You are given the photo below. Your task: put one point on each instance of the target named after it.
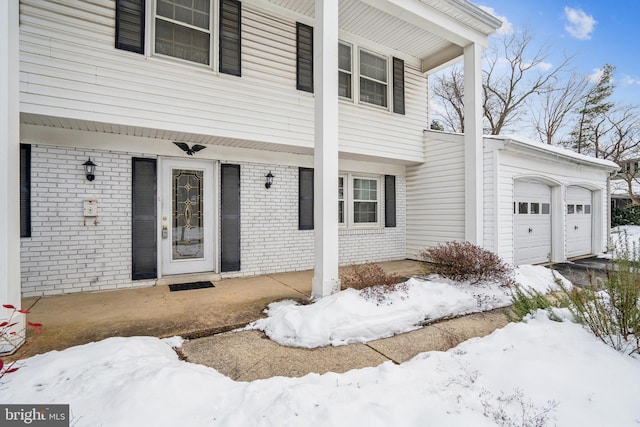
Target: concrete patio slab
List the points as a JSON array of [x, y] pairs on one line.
[[81, 318]]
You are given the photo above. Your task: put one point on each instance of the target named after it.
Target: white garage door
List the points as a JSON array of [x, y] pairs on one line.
[[579, 229], [532, 222]]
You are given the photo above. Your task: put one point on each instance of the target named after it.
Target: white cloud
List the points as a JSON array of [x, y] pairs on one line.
[[506, 28], [595, 76], [544, 66], [628, 80], [579, 25]]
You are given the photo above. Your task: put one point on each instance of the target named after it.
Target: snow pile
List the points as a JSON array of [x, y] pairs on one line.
[[348, 317], [556, 370]]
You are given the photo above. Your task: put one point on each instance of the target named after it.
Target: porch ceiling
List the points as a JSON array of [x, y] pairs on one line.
[[418, 28]]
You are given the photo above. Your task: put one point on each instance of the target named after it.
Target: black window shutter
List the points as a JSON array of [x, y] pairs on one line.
[[398, 86], [230, 235], [230, 37], [304, 57], [389, 201], [130, 25], [25, 190], [305, 199], [143, 219]]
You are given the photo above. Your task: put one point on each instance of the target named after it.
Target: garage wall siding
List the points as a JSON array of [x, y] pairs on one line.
[[435, 194], [513, 165]]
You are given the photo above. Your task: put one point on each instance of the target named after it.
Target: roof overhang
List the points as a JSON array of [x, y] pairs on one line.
[[545, 151]]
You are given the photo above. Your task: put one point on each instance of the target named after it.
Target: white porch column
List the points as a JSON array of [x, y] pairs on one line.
[[9, 159], [473, 144], [325, 69]]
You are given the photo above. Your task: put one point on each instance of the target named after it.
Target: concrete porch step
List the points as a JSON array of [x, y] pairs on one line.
[[187, 278]]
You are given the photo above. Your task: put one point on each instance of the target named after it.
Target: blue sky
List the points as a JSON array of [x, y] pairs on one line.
[[597, 31]]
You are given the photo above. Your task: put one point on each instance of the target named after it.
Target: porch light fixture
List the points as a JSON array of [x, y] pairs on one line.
[[90, 169], [269, 177]]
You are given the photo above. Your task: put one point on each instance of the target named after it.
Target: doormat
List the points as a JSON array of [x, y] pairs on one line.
[[189, 286]]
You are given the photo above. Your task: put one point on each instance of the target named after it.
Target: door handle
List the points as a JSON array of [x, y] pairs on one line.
[[575, 227], [530, 230], [165, 232]]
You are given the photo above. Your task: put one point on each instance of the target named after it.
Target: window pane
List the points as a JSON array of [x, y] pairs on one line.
[[570, 209], [578, 209], [365, 189], [344, 57], [373, 92], [365, 212], [192, 12], [545, 208], [535, 208], [341, 212], [523, 208], [344, 84], [373, 66], [587, 209], [181, 42]]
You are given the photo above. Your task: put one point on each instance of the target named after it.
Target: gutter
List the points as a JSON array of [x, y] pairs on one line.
[[543, 151], [477, 13]]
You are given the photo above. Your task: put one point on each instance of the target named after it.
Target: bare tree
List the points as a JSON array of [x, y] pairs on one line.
[[554, 108], [448, 89], [512, 75], [616, 137], [513, 72]]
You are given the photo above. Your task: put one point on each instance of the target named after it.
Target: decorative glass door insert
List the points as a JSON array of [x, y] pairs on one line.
[[188, 220], [188, 228]]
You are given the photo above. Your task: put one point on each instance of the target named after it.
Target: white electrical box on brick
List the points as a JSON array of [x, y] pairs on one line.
[[90, 208]]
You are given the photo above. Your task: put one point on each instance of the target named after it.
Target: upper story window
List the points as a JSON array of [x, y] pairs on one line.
[[344, 71], [373, 79], [183, 29]]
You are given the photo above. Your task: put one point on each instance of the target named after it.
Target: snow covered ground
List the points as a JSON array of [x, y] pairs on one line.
[[519, 375]]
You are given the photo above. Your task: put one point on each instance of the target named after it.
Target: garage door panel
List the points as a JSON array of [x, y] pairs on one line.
[[532, 222], [579, 221]]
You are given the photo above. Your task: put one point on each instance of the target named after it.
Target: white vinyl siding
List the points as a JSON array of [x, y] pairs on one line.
[[71, 72], [435, 194]]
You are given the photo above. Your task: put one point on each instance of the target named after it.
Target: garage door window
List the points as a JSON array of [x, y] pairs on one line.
[[579, 209], [523, 208], [533, 208]]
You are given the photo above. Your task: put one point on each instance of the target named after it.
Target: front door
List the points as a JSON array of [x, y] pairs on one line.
[[187, 216]]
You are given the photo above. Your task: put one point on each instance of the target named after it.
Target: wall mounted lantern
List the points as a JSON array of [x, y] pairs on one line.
[[269, 177], [90, 169]]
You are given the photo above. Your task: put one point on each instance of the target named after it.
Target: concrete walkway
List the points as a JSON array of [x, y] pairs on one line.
[[204, 315]]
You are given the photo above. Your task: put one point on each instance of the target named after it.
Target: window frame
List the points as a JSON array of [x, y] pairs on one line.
[[350, 200], [350, 73], [360, 76], [212, 31]]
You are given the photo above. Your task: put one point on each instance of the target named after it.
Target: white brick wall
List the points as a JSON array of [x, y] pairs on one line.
[[271, 241], [64, 255]]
